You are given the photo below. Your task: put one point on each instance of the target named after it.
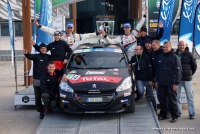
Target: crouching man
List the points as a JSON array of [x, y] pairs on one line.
[[49, 84]]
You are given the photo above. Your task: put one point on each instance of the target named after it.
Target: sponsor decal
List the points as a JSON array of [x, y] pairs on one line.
[[115, 73], [125, 100], [95, 72], [25, 99], [127, 94], [94, 86], [65, 101], [96, 79], [117, 50], [72, 72], [73, 76], [62, 95], [95, 112], [115, 69], [98, 49], [77, 51], [110, 70]]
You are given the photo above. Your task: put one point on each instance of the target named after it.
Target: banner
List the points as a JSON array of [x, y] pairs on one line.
[[153, 14], [187, 22], [10, 22], [166, 16], [45, 20], [197, 30]]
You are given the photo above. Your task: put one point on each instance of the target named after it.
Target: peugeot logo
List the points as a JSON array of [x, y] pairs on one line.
[[94, 86]]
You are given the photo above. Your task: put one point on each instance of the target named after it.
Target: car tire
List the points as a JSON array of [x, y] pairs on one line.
[[131, 107]]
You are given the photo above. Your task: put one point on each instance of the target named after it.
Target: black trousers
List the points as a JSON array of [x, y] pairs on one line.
[[49, 101], [167, 92], [38, 102]]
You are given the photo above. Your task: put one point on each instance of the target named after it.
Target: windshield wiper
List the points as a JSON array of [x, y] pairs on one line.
[[121, 59]]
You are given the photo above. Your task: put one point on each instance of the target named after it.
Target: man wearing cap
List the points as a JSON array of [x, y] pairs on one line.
[[128, 40], [143, 32], [58, 49], [68, 35], [40, 62]]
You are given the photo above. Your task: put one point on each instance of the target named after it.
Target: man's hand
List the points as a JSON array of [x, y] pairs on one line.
[[64, 78], [32, 42], [146, 10], [65, 61], [175, 87], [36, 22], [156, 84], [150, 83], [160, 24], [25, 51]]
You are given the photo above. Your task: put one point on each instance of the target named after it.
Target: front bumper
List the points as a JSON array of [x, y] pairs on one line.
[[115, 102]]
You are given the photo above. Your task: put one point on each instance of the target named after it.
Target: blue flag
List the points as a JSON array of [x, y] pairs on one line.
[[187, 22], [166, 16], [34, 27], [45, 20], [10, 22], [197, 30]]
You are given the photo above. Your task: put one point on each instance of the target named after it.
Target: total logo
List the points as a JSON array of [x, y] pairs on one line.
[[188, 11], [95, 72]]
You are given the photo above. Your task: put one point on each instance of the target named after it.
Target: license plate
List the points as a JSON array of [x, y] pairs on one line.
[[99, 99]]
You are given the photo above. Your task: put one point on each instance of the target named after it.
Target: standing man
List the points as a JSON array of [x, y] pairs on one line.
[[128, 40], [143, 74], [189, 66], [168, 77], [148, 48], [143, 32], [40, 62], [58, 49], [68, 35]]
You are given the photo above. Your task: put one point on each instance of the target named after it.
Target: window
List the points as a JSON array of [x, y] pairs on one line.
[[5, 29]]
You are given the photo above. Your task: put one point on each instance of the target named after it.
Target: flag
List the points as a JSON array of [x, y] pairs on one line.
[[196, 31], [45, 20], [187, 22], [10, 22], [166, 16]]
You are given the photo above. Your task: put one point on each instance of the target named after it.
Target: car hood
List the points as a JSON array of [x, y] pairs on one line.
[[101, 80]]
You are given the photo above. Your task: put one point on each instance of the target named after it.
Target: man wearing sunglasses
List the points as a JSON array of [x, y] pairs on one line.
[[58, 49], [68, 35]]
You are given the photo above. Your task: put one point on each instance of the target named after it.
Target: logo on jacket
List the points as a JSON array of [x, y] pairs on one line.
[[94, 86], [25, 99]]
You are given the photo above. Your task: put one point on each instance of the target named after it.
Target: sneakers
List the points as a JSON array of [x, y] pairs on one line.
[[192, 117], [173, 120], [161, 118], [41, 115]]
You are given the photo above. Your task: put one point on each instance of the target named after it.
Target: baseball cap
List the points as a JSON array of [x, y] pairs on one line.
[[127, 25], [143, 29], [148, 41], [69, 25], [57, 33], [43, 45]]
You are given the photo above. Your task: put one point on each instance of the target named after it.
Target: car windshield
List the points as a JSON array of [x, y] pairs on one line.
[[96, 60]]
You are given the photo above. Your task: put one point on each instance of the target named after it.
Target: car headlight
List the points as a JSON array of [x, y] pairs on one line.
[[65, 87], [126, 84]]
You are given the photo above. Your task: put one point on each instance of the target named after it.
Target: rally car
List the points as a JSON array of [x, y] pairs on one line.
[[99, 81]]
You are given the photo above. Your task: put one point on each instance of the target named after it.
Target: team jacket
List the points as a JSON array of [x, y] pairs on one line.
[[141, 40], [129, 42], [145, 73], [40, 62], [58, 50], [189, 64], [73, 39], [49, 83], [168, 69]]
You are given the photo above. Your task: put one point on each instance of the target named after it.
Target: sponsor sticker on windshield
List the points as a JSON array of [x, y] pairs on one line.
[[77, 51], [117, 50], [95, 72], [72, 72], [73, 76]]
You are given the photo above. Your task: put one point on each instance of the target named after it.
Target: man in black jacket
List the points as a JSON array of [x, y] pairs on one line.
[[58, 49], [148, 47], [168, 76], [143, 74], [40, 62], [143, 32], [49, 85], [189, 67]]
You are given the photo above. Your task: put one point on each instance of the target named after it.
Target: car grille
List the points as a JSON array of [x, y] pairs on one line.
[[109, 95]]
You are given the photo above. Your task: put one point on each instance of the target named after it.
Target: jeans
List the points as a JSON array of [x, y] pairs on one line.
[[167, 92], [149, 89], [49, 102], [187, 85]]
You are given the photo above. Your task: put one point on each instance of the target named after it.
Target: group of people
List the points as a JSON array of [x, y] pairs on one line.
[[152, 65]]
